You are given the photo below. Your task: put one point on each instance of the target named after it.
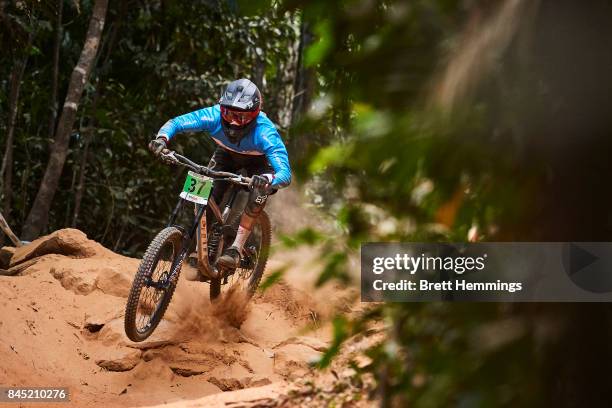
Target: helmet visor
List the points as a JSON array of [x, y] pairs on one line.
[[237, 117]]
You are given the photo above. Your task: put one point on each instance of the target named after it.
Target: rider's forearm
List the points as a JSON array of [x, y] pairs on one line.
[[282, 178], [282, 171], [189, 122], [168, 130], [278, 158]]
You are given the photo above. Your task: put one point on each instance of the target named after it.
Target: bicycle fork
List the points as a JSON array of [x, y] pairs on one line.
[[187, 237]]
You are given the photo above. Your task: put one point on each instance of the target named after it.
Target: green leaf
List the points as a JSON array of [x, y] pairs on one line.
[[306, 236], [334, 269], [273, 278], [341, 333], [328, 156], [35, 50], [319, 50]]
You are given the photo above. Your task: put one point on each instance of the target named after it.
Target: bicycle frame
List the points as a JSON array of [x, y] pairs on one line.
[[174, 158], [202, 238]]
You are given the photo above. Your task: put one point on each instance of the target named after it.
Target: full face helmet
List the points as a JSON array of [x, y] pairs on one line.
[[240, 105]]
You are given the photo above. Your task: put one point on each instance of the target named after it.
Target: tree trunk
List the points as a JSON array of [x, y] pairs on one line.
[[303, 90], [89, 133], [279, 106], [55, 72], [304, 78], [39, 214], [6, 170], [259, 72]]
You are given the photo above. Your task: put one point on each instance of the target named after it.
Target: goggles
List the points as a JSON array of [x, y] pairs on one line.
[[238, 117]]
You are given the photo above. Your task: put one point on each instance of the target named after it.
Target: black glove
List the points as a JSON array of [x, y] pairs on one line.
[[261, 182], [156, 146]]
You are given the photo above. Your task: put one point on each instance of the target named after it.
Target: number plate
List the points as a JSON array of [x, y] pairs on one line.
[[197, 188]]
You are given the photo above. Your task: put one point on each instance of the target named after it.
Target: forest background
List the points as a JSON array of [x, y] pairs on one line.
[[428, 120]]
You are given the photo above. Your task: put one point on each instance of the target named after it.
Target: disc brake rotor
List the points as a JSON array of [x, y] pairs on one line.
[[250, 262]]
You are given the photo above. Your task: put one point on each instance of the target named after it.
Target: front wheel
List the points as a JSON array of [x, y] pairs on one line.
[[253, 263], [151, 291]]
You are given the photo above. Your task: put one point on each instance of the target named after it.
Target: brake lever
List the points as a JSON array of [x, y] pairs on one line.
[[204, 170], [169, 157], [243, 181]]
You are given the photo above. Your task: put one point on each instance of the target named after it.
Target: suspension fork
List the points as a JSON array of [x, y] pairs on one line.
[[202, 237], [186, 244], [229, 204], [177, 208]]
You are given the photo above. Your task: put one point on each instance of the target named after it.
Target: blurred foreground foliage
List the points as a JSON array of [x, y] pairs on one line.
[[454, 121]]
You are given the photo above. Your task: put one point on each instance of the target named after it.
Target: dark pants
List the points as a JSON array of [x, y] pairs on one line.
[[223, 160]]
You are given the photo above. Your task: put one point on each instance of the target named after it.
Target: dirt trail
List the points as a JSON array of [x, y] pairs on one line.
[[61, 324]]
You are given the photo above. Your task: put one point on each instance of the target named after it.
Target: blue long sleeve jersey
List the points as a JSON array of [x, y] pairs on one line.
[[262, 140]]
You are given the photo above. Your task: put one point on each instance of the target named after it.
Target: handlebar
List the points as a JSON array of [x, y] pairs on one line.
[[172, 157]]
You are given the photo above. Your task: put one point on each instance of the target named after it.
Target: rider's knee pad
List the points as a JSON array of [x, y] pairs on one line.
[[256, 204]]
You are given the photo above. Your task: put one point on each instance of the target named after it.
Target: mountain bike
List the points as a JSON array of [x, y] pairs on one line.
[[213, 227]]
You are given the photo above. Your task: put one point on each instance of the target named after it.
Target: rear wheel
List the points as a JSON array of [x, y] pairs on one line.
[[253, 263], [151, 291]]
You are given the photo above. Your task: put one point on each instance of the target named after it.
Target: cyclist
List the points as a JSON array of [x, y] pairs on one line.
[[246, 139]]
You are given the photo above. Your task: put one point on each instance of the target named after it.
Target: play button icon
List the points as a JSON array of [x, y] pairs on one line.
[[579, 258], [589, 265]]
